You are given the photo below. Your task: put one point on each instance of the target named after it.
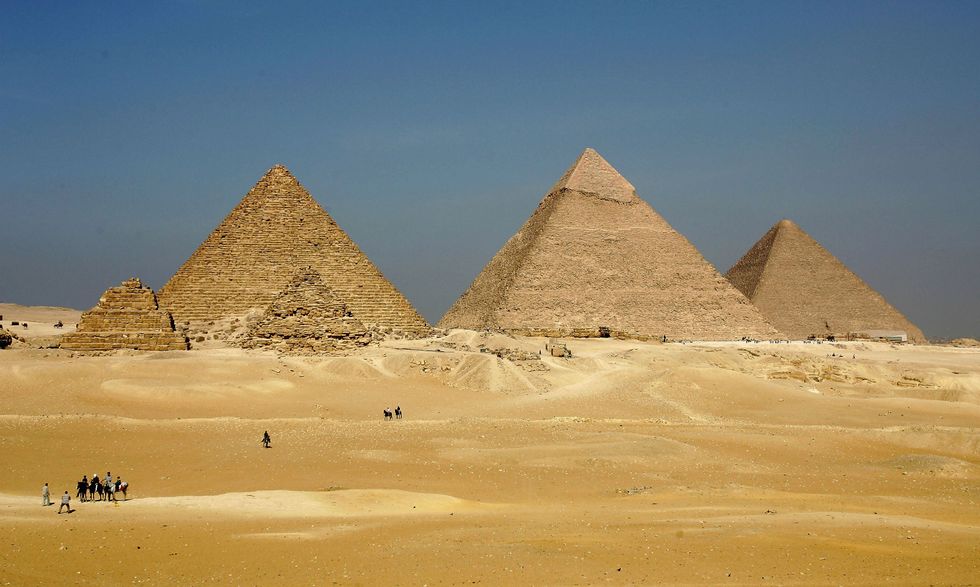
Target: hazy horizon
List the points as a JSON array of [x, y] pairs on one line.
[[430, 133]]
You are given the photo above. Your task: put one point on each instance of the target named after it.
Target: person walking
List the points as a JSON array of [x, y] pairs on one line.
[[65, 502], [266, 439], [45, 495]]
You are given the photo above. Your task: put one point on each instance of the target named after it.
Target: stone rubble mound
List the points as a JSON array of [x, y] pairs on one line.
[[6, 339], [126, 317], [306, 317]]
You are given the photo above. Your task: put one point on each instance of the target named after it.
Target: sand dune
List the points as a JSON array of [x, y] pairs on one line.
[[630, 463]]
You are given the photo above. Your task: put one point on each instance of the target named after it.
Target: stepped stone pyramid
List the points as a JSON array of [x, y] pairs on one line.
[[804, 290], [275, 231], [306, 316], [126, 317], [594, 256]]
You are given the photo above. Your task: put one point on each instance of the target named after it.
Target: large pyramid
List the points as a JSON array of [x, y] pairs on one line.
[[276, 231], [594, 255], [804, 290]]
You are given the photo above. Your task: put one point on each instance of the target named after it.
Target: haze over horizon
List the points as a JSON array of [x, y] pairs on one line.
[[430, 133]]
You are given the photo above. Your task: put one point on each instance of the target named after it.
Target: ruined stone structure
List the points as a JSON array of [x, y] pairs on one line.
[[6, 339], [127, 317], [594, 260], [275, 231], [804, 290], [307, 317]]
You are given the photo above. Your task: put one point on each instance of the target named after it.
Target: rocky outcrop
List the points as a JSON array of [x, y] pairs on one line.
[[306, 317], [127, 317]]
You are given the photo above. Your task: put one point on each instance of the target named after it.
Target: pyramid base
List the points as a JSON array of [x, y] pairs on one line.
[[597, 332]]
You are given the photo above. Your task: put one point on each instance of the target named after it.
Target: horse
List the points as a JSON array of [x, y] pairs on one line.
[[388, 414], [398, 412]]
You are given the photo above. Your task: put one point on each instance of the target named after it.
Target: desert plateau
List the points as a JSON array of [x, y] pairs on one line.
[[713, 463]]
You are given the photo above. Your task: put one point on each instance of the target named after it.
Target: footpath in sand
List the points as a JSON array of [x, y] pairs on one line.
[[638, 463]]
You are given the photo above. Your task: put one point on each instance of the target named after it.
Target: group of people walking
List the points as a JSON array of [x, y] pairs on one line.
[[94, 489]]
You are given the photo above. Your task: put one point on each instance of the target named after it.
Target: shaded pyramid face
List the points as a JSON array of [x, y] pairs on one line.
[[804, 290], [274, 232], [595, 255], [307, 316]]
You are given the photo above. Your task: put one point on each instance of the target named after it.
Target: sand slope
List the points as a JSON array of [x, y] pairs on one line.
[[631, 463], [40, 320]]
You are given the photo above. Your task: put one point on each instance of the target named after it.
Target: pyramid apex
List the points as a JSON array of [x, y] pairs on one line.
[[278, 169], [592, 174], [278, 174], [786, 223]]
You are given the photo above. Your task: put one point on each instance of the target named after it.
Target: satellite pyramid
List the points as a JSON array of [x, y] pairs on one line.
[[804, 290], [127, 317], [594, 256], [306, 316], [276, 231]]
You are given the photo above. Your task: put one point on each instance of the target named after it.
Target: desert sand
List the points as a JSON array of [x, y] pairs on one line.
[[628, 463]]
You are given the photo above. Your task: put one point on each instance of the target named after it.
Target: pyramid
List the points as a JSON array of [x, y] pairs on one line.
[[595, 258], [126, 317], [306, 316], [804, 290], [274, 232]]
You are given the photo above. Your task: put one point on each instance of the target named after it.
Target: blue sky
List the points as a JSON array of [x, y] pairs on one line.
[[431, 131]]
